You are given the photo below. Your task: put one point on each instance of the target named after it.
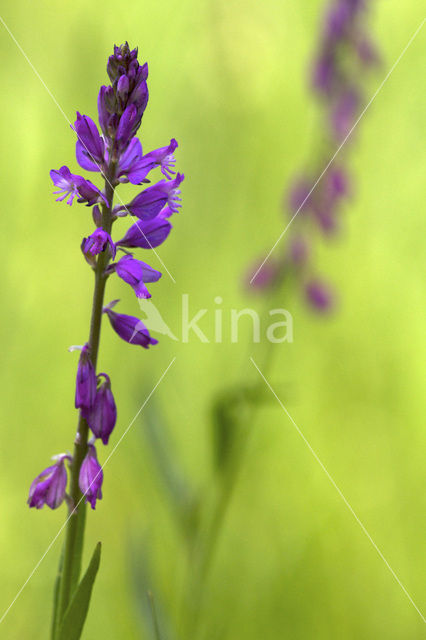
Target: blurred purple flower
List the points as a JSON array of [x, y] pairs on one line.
[[319, 295], [314, 199]]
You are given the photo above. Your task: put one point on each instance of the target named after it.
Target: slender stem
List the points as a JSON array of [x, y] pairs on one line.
[[75, 524], [208, 545]]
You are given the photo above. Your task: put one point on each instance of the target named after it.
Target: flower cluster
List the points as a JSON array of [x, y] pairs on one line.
[[117, 154], [314, 203]]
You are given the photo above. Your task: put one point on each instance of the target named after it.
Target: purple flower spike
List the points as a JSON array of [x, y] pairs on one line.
[[149, 203], [50, 485], [129, 328], [319, 295], [103, 415], [136, 273], [89, 146], [91, 477], [86, 383], [97, 242], [75, 187], [148, 234]]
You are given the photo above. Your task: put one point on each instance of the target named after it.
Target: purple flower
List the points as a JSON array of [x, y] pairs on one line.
[[148, 203], [75, 186], [136, 273], [123, 86], [337, 20], [129, 328], [89, 146], [136, 166], [319, 295], [50, 485], [91, 477], [300, 195], [324, 73], [344, 113], [108, 119], [86, 383], [162, 157], [148, 234], [97, 242], [127, 126], [299, 250], [266, 277], [367, 52], [337, 182], [128, 158], [325, 214], [102, 417]]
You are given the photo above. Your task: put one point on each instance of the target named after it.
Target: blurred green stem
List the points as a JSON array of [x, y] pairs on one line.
[[74, 536], [204, 556]]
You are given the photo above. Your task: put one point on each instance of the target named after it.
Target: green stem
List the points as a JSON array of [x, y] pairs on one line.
[[76, 517], [207, 545]]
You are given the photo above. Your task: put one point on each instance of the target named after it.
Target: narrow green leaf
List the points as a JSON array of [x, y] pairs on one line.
[[155, 624], [56, 595], [183, 499], [72, 624]]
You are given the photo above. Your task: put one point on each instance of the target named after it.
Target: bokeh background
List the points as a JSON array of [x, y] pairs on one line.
[[229, 81]]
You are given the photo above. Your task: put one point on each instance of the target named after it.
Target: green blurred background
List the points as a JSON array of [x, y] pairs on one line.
[[228, 79]]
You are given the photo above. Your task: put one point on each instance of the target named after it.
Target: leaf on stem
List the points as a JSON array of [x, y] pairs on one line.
[[72, 624]]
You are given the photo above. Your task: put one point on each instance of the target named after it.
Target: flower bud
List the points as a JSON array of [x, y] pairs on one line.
[[50, 485], [85, 389], [102, 417], [91, 477]]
